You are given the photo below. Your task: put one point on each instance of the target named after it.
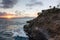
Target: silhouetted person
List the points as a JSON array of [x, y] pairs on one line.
[[58, 5], [50, 6]]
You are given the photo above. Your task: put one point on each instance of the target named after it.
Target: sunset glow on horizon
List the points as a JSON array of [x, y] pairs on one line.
[[9, 16]]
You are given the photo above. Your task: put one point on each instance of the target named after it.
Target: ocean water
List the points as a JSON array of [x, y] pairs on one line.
[[10, 28]]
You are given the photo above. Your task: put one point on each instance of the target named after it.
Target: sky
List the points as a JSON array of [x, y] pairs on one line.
[[26, 7]]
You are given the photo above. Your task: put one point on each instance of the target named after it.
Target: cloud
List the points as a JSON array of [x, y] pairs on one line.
[[34, 3], [8, 3], [33, 0], [58, 2]]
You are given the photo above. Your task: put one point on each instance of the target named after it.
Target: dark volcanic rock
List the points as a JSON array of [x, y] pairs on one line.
[[46, 26]]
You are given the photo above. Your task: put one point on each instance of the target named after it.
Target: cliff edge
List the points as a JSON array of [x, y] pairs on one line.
[[46, 26]]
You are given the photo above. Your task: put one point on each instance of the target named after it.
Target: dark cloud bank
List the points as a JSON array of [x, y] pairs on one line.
[[8, 3]]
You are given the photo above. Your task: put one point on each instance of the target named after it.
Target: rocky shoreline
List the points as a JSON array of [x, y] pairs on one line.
[[46, 26]]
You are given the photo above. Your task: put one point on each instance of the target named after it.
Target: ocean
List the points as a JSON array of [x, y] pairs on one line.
[[10, 28]]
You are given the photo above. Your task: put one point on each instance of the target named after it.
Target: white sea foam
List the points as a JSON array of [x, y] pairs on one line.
[[17, 29]]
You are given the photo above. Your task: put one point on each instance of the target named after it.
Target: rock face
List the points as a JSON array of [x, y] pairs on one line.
[[46, 26]]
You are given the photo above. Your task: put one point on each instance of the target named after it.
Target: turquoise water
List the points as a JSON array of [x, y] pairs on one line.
[[21, 38]]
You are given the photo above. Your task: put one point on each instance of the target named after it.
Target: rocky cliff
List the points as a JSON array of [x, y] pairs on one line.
[[46, 26]]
